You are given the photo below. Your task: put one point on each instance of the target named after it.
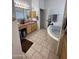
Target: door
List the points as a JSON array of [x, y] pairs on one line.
[[42, 18], [63, 47]]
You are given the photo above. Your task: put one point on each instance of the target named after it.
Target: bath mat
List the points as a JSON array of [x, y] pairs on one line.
[[26, 44]]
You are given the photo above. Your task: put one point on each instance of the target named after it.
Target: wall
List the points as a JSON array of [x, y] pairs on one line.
[[55, 6], [13, 9], [16, 46], [35, 7], [41, 4]]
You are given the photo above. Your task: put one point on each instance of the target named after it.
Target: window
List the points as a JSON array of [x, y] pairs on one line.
[[21, 14]]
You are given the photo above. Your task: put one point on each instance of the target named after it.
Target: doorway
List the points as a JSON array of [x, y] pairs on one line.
[[42, 18]]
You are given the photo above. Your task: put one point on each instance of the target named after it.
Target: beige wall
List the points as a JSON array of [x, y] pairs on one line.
[[55, 7], [35, 6], [16, 46]]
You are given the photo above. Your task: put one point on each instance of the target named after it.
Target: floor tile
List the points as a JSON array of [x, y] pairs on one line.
[[52, 56], [30, 52], [44, 58], [45, 44], [36, 56], [44, 47], [40, 41], [45, 52], [25, 57], [38, 47]]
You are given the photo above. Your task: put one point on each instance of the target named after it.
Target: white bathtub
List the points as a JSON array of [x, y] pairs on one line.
[[54, 32]]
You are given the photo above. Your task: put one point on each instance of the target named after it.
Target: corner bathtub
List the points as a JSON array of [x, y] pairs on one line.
[[54, 32]]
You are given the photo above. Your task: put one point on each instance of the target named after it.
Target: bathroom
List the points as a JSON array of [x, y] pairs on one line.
[[40, 42]]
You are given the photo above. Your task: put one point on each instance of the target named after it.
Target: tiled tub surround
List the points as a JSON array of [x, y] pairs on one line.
[[44, 47]]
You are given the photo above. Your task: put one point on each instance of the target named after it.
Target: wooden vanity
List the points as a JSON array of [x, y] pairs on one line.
[[29, 25]]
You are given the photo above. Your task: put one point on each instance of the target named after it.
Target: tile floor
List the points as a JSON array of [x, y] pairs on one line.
[[44, 47]]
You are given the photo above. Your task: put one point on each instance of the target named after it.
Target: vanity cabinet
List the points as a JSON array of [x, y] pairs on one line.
[[30, 26]]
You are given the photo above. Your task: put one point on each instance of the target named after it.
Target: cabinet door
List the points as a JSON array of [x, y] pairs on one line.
[[29, 28], [34, 26]]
